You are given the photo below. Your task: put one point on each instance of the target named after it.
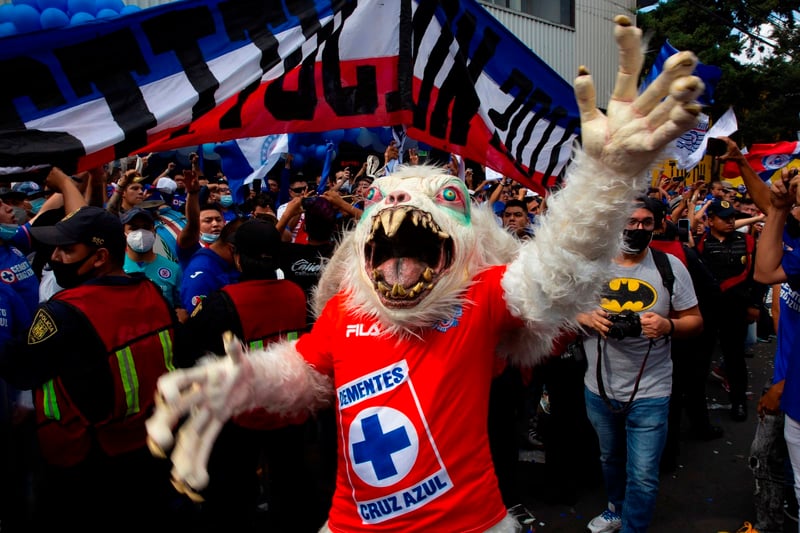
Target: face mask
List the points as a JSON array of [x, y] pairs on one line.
[[226, 200], [7, 231], [67, 275], [141, 240], [636, 240], [36, 205], [209, 238]]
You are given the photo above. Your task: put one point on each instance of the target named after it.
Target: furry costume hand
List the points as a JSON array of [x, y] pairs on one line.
[[637, 127], [276, 379], [559, 272], [212, 393]]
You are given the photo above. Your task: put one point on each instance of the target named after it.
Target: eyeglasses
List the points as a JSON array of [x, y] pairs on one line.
[[299, 190], [646, 223]]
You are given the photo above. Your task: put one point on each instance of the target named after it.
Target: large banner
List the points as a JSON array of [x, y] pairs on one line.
[[199, 71]]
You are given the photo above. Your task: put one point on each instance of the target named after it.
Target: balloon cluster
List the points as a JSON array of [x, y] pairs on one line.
[[25, 16], [313, 146]]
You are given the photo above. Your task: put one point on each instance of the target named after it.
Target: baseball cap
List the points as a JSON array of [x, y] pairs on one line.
[[257, 239], [674, 202], [128, 215], [88, 225], [728, 186], [28, 188], [721, 208]]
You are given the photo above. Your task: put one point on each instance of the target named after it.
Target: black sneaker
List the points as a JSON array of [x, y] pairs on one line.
[[738, 412]]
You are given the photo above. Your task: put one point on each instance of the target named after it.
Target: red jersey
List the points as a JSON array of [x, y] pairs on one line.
[[412, 415]]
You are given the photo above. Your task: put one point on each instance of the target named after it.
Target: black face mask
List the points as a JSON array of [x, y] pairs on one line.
[[636, 240], [67, 274]]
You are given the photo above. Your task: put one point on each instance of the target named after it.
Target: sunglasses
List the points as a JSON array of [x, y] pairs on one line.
[[299, 190]]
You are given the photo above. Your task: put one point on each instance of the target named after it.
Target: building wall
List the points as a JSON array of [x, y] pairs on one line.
[[590, 43]]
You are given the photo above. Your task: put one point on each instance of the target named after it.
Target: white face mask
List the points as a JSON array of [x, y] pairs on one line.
[[141, 240]]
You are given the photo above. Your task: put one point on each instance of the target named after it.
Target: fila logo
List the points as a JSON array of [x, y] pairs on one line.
[[359, 331]]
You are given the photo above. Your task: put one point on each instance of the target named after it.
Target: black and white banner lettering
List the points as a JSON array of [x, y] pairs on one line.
[[200, 71]]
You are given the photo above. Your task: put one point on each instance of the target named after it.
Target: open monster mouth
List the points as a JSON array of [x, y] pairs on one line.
[[407, 253]]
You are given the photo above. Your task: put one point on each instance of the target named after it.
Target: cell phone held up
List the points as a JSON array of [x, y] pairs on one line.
[[716, 147], [683, 229], [257, 185]]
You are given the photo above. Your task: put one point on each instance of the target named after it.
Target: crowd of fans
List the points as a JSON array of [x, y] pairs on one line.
[[79, 323]]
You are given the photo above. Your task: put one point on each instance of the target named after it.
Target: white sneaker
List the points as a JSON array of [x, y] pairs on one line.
[[606, 522]]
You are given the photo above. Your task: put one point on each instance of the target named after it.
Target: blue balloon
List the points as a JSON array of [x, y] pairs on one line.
[[26, 19], [351, 135], [7, 13], [127, 10], [298, 160], [81, 6], [107, 13], [334, 136], [114, 5], [321, 151], [31, 3], [61, 5], [80, 18], [7, 28], [53, 18]]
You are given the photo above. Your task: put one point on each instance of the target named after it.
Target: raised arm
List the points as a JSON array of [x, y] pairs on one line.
[[559, 272], [783, 194]]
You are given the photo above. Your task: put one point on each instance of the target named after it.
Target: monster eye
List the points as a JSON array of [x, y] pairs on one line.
[[453, 197], [373, 196]]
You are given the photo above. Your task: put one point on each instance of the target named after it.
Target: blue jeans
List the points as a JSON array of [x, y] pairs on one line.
[[639, 435]]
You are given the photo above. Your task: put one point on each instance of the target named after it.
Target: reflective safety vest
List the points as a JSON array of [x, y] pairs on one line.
[[136, 327], [268, 311]]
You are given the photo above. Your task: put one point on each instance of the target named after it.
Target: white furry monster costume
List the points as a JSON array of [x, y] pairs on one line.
[[413, 308]]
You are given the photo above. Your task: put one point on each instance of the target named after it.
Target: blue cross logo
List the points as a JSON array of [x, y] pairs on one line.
[[8, 276], [378, 447]]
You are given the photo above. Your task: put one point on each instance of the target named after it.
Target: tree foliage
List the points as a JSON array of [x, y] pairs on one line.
[[764, 94]]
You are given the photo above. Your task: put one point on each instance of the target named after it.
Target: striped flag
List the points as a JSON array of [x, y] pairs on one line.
[[244, 160], [449, 72], [690, 148]]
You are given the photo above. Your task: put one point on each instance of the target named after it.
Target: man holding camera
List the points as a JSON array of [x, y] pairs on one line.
[[629, 377]]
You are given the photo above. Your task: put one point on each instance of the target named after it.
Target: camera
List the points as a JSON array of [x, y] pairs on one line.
[[624, 324]]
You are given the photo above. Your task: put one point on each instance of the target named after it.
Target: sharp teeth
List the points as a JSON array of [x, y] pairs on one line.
[[384, 288], [443, 235], [429, 286], [416, 218], [418, 287], [428, 274], [378, 275], [398, 290]]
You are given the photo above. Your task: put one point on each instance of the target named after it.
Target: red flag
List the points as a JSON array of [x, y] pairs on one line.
[[765, 159]]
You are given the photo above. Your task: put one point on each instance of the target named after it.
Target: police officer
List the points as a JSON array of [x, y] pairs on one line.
[[92, 356], [258, 309], [729, 256]]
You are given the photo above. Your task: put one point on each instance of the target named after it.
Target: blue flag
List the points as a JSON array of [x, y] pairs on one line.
[[708, 73]]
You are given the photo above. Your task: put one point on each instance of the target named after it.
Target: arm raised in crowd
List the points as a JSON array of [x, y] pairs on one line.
[[783, 195], [559, 271], [190, 234]]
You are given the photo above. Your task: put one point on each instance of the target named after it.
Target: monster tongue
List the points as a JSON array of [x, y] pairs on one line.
[[403, 270]]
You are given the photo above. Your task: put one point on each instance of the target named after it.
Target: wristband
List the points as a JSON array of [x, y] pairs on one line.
[[671, 328]]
